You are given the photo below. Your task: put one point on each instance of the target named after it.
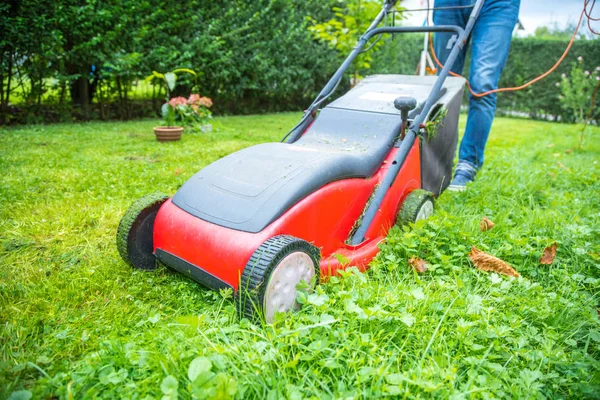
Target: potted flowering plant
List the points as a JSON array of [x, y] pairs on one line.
[[173, 108], [179, 112]]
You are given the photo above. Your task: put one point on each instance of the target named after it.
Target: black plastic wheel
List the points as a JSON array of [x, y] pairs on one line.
[[135, 231], [417, 205], [280, 257]]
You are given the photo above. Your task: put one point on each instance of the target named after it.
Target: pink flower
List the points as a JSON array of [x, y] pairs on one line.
[[597, 68], [200, 101], [579, 58], [177, 101], [587, 72], [598, 78], [206, 102], [564, 76], [194, 98], [557, 84]]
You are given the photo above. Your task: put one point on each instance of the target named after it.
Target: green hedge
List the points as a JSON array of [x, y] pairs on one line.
[[528, 58], [73, 59]]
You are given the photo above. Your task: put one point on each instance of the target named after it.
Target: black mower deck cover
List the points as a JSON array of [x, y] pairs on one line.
[[350, 138]]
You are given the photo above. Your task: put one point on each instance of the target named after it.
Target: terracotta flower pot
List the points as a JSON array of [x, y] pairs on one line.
[[168, 133]]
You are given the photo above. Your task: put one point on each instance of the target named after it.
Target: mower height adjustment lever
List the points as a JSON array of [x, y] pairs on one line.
[[404, 104]]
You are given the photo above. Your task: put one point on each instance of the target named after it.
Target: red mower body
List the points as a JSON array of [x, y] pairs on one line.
[[325, 218]]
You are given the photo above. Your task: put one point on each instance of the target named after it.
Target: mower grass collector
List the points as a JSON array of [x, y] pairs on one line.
[[264, 219]]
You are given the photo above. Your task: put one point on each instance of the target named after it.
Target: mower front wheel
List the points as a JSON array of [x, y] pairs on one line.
[[417, 205], [268, 282], [136, 230]]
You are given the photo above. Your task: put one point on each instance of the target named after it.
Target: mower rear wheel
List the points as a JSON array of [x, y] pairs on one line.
[[268, 282], [418, 205], [136, 229]]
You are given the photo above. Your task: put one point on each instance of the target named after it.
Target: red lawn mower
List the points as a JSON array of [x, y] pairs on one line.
[[262, 220]]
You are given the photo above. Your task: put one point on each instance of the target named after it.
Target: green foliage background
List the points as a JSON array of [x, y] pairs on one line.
[[85, 59]]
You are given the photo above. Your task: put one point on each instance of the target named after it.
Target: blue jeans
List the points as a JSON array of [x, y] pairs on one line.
[[490, 43]]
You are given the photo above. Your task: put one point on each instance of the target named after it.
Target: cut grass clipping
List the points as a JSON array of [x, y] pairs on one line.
[[75, 320]]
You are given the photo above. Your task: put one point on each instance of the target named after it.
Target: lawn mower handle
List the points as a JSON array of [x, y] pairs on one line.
[[310, 113], [362, 41], [411, 135]]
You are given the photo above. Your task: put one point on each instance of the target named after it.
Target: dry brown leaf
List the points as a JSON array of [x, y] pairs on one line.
[[563, 166], [177, 171], [486, 224], [418, 264], [551, 145], [549, 254], [486, 262], [568, 151], [556, 154]]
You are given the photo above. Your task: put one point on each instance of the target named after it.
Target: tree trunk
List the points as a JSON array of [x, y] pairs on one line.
[[80, 91], [92, 87], [1, 86], [40, 90], [2, 52], [63, 88], [100, 97], [126, 102], [10, 72], [119, 93]]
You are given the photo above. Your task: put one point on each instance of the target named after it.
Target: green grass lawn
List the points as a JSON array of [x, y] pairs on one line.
[[76, 322]]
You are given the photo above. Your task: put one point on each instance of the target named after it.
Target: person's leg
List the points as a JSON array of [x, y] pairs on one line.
[[442, 41], [490, 40]]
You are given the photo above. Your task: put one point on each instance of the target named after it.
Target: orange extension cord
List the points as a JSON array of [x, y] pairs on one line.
[[531, 82]]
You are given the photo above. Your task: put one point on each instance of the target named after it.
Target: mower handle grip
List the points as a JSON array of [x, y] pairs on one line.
[[413, 29]]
